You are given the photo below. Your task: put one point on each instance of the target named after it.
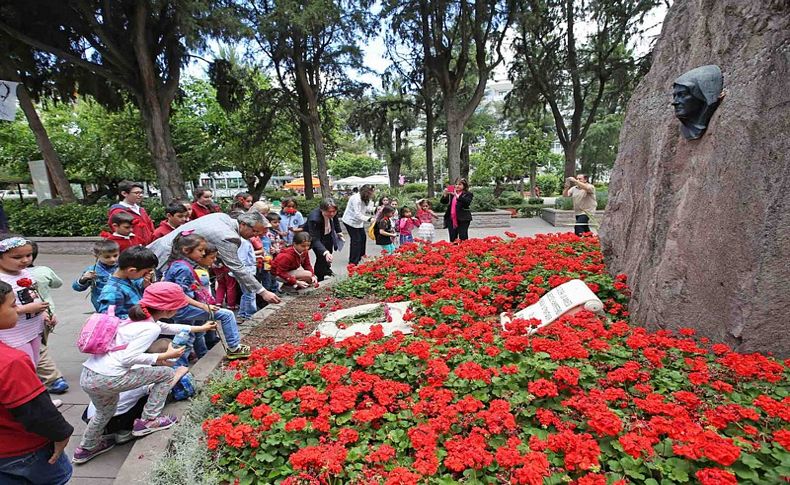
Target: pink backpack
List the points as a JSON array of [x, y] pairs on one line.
[[98, 334]]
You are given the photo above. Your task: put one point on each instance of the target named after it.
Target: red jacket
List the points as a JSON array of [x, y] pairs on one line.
[[200, 211], [123, 242], [142, 225], [289, 260], [163, 230]]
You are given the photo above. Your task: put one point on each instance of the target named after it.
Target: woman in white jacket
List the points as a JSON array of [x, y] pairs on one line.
[[105, 376], [358, 212]]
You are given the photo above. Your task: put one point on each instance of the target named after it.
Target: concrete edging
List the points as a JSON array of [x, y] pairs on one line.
[[150, 449], [65, 245]]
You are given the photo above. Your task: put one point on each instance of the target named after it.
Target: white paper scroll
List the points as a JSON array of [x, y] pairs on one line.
[[567, 298], [7, 100]]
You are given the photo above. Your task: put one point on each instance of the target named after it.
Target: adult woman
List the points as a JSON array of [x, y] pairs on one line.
[[325, 233], [203, 203], [357, 212], [457, 217]]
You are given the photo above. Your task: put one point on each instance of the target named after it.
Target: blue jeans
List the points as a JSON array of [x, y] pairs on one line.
[[247, 305], [34, 469], [190, 315]]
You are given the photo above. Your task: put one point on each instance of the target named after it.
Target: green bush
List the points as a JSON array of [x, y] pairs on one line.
[[563, 203], [549, 184], [535, 201], [530, 210], [511, 199], [67, 220], [484, 202], [415, 188], [274, 194]]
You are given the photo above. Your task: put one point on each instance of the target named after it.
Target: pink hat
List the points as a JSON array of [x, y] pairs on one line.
[[164, 296]]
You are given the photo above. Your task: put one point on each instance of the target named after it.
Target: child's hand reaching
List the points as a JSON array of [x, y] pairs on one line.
[[35, 307], [302, 284], [207, 327], [167, 357], [87, 276]]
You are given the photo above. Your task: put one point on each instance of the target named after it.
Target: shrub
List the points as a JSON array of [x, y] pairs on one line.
[[535, 201], [415, 188], [530, 210], [484, 202], [67, 220], [549, 184], [563, 203], [513, 199], [274, 194]]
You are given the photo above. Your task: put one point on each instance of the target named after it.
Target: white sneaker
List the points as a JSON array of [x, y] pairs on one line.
[[57, 402]]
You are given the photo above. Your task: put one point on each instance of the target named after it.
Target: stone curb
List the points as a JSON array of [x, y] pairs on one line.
[[150, 449]]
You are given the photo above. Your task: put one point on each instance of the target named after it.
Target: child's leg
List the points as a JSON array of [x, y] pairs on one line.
[[302, 274], [47, 371], [247, 306]]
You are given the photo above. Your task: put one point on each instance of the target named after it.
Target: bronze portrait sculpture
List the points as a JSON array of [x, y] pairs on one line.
[[695, 96]]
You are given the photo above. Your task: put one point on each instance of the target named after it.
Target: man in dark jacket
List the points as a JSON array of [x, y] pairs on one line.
[[458, 216], [326, 235]]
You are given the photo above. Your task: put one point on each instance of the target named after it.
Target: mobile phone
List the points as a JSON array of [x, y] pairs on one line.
[[451, 188]]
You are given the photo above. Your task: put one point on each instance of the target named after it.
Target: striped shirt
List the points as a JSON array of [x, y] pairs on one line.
[[122, 293], [28, 326]]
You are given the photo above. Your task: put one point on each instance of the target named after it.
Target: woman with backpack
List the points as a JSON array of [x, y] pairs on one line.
[[120, 363]]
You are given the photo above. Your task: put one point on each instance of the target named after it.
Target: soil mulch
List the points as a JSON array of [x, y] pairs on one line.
[[283, 326]]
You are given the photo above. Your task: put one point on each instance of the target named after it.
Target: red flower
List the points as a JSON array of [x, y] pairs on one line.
[[783, 438], [715, 476], [246, 397], [24, 282], [543, 388]]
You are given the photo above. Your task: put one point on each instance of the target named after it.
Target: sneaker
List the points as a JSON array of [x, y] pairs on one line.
[[124, 436], [60, 386], [144, 427], [81, 455], [240, 352]]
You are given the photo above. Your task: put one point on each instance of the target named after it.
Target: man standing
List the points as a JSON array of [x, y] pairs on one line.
[[131, 194], [226, 233], [584, 202]]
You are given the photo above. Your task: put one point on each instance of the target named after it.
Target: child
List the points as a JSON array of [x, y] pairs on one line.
[[176, 215], [247, 305], [121, 223], [95, 276], [292, 265], [203, 203], [47, 371], [426, 231], [241, 203], [383, 229], [205, 292], [262, 207], [383, 202], [131, 194], [291, 220], [16, 254], [33, 434], [394, 219], [125, 286], [278, 243], [406, 224], [105, 376], [131, 403], [186, 251]]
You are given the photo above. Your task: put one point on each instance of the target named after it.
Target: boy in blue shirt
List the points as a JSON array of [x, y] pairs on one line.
[[125, 286], [95, 276]]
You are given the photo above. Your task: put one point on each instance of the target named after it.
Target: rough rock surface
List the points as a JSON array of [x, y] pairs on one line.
[[702, 227]]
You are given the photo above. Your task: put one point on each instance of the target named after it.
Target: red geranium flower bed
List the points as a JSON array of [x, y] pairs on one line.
[[587, 400]]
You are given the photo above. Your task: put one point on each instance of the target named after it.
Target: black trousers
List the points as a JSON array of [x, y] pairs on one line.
[[322, 268], [358, 242], [461, 232], [581, 224]]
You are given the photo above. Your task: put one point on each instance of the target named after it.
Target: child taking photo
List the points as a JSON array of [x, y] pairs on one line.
[[105, 376]]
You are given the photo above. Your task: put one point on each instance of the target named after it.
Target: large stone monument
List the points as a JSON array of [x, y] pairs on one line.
[[702, 227]]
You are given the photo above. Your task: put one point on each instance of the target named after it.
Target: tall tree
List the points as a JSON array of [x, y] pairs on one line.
[[311, 46], [599, 149], [569, 70], [136, 46], [462, 43], [387, 119]]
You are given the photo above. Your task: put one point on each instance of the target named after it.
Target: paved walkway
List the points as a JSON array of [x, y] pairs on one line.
[[73, 308]]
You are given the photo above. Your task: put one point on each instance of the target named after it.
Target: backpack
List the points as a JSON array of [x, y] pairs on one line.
[[184, 388], [98, 333], [372, 231]]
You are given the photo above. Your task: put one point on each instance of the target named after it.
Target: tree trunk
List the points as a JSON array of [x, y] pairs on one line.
[[570, 159], [429, 122], [465, 158], [454, 136], [304, 138], [51, 159], [533, 175], [163, 155], [314, 122], [394, 160], [498, 187]]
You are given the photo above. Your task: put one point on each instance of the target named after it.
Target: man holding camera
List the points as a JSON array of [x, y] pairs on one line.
[[584, 202]]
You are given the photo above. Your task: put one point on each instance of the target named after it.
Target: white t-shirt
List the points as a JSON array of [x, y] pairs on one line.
[[138, 336]]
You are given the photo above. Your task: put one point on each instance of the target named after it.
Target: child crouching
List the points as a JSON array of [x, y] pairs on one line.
[[292, 265], [105, 376]]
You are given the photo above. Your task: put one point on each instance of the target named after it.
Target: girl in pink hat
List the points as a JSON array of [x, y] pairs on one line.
[[105, 376]]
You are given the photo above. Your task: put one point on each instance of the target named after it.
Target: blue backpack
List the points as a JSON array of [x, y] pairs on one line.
[[184, 388]]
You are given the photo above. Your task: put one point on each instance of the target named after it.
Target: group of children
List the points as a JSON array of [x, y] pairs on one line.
[[392, 227]]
